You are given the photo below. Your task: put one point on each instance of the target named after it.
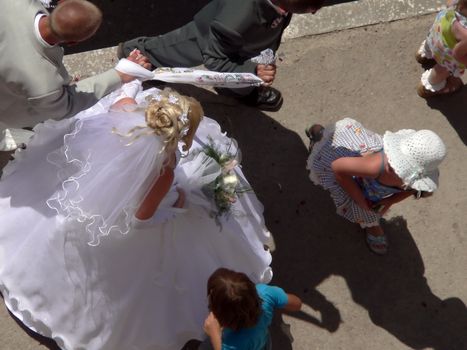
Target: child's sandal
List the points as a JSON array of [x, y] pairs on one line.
[[377, 244], [453, 85], [314, 134], [424, 61]]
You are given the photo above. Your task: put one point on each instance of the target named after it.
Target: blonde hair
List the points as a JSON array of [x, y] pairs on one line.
[[75, 20], [165, 115]]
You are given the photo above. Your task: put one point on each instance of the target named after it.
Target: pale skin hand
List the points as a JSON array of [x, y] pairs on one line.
[[137, 57], [267, 72], [214, 330]]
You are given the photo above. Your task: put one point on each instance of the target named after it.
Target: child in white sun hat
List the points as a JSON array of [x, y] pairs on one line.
[[367, 173]]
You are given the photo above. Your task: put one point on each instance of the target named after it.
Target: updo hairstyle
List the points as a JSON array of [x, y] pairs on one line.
[[166, 113]]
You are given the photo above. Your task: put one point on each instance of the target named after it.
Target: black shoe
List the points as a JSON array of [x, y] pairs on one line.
[[192, 344], [264, 98]]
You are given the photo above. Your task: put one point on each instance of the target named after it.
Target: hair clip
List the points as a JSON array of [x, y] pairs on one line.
[[184, 131], [173, 99], [183, 118]]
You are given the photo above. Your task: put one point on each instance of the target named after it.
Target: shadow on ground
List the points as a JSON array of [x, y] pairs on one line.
[[313, 243], [453, 108]]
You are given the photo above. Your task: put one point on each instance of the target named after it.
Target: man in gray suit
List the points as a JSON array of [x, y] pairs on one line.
[[34, 83], [224, 36]]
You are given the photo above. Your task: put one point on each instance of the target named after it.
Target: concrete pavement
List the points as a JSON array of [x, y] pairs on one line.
[[413, 298]]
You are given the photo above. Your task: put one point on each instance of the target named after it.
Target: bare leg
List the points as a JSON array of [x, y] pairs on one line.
[[438, 81], [438, 75]]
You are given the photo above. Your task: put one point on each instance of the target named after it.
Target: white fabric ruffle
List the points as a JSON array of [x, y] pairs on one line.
[[425, 79]]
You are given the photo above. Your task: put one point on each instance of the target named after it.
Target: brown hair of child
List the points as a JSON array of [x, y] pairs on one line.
[[233, 299]]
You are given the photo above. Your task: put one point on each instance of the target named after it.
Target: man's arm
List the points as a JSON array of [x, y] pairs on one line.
[[71, 99], [224, 44]]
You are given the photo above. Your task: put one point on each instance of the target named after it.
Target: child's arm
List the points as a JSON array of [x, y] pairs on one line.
[[294, 303], [347, 167], [155, 195], [214, 331]]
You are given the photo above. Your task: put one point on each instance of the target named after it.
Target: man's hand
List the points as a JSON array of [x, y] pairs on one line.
[[214, 331], [137, 57], [267, 72]]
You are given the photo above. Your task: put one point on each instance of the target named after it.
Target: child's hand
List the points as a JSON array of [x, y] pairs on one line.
[[214, 331], [212, 326]]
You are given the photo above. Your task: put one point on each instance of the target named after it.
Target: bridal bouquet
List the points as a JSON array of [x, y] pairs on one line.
[[226, 188]]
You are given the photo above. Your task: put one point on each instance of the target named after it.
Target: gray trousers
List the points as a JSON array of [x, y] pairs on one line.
[[178, 48]]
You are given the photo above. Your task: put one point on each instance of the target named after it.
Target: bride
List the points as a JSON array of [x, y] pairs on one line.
[[112, 222]]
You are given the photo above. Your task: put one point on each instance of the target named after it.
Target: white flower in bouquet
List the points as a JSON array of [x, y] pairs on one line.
[[226, 188], [229, 182]]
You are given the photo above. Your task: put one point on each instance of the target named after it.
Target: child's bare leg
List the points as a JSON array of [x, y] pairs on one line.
[[438, 75], [438, 81]]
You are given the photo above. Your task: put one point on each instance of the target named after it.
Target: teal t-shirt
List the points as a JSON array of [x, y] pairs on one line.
[[255, 338]]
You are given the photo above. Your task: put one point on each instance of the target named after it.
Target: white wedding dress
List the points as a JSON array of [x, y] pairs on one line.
[[75, 265]]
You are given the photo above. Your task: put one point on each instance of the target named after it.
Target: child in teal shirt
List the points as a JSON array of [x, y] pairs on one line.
[[241, 311]]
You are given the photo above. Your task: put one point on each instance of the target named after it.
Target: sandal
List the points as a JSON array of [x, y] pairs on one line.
[[314, 134], [377, 244], [453, 85], [424, 61]]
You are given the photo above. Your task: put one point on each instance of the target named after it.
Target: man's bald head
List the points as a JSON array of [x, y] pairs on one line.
[[75, 20]]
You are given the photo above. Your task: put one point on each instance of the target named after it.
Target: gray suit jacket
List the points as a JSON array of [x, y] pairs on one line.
[[34, 83], [230, 32]]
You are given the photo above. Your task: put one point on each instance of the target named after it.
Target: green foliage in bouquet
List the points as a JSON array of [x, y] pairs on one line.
[[226, 188]]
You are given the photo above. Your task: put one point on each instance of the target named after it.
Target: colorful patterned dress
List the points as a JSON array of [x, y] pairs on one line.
[[441, 41], [348, 138]]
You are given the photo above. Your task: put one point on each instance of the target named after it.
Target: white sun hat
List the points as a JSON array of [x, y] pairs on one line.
[[415, 157]]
